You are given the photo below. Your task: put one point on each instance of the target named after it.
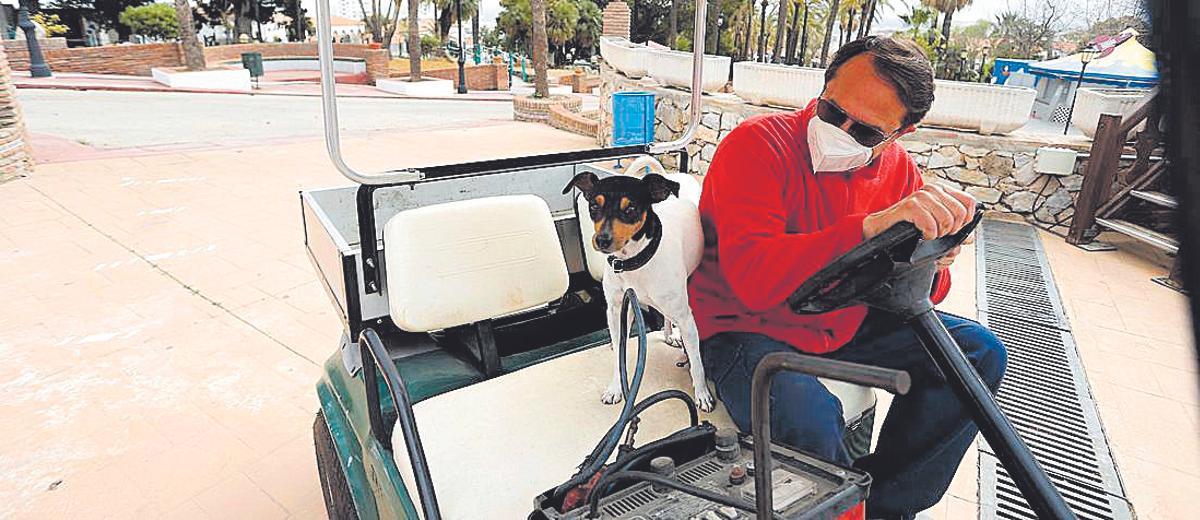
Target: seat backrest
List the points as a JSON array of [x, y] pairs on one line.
[[467, 261]]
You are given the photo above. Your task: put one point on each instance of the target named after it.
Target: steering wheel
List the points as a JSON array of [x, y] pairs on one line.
[[893, 271]]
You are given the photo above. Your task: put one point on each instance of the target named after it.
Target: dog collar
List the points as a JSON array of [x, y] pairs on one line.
[[637, 261]]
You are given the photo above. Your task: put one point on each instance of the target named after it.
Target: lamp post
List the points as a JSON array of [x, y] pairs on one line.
[[37, 63], [462, 77], [1085, 56]]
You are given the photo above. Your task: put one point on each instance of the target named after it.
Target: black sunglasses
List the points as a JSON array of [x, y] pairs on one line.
[[866, 135]]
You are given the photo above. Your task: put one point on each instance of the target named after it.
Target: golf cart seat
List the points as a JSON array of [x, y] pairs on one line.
[[467, 261]]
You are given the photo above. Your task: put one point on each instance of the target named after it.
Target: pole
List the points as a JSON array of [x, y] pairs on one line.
[[462, 76], [257, 20], [475, 35], [37, 63], [1074, 96], [1013, 453]]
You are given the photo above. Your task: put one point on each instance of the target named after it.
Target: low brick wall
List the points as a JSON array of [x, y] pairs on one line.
[[18, 53], [492, 76], [16, 157], [377, 59], [563, 118], [528, 108], [134, 60]]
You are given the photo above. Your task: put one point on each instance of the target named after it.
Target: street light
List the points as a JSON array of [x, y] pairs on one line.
[[462, 77], [37, 63], [1085, 56]]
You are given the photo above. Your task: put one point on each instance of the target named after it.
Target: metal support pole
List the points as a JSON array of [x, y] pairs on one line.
[[1074, 96], [462, 76], [975, 397], [37, 63]]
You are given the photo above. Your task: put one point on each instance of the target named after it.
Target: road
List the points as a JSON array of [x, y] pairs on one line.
[[108, 120]]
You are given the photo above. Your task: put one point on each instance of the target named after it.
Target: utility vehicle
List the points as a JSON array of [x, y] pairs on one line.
[[468, 377]]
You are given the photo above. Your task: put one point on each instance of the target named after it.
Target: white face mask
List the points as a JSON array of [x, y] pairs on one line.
[[834, 150]]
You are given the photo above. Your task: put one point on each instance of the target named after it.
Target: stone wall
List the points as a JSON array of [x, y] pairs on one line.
[[997, 170], [16, 158], [490, 76]]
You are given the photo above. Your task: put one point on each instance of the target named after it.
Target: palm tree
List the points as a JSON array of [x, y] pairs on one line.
[[830, 18], [780, 29], [947, 7], [414, 40], [193, 53], [541, 87]]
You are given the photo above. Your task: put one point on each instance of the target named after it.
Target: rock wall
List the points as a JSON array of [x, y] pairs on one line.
[[997, 170]]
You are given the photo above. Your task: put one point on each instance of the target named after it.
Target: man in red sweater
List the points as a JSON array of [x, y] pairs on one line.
[[787, 193]]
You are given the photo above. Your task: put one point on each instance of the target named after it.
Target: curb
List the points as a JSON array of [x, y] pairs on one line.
[[116, 88]]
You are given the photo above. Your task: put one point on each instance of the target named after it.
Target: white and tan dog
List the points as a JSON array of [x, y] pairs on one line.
[[654, 242]]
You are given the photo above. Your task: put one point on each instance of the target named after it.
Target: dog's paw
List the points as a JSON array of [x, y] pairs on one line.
[[704, 399], [612, 395]]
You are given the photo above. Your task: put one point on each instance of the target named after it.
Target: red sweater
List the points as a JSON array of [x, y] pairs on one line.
[[770, 223]]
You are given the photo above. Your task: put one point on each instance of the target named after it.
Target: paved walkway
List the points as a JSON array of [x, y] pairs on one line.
[[163, 331]]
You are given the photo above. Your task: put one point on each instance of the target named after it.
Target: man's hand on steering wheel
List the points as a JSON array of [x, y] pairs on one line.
[[936, 210]]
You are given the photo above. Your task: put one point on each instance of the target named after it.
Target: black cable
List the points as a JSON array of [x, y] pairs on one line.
[[612, 438], [711, 496]]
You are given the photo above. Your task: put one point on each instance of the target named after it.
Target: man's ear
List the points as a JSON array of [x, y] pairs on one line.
[[660, 187], [586, 182], [906, 130]]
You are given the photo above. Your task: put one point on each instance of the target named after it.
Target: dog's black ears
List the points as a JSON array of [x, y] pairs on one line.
[[660, 187], [586, 182]]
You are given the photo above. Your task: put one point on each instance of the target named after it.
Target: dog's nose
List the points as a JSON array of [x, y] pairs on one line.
[[603, 241]]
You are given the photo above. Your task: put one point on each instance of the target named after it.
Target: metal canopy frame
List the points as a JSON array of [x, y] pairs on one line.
[[371, 182], [373, 352]]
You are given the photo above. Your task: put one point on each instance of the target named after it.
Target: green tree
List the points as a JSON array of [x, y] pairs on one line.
[[105, 13], [541, 83], [947, 8], [153, 20]]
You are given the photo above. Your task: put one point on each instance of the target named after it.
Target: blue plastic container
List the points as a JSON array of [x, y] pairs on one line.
[[633, 118]]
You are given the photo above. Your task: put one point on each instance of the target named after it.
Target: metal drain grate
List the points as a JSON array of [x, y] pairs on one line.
[[1045, 391]]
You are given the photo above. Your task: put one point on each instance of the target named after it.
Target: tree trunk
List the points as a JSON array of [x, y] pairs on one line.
[[804, 36], [849, 30], [830, 18], [762, 31], [793, 33], [862, 22], [475, 35], [414, 40], [871, 17], [946, 28], [749, 32], [780, 28], [710, 37], [673, 24], [193, 53], [541, 86]]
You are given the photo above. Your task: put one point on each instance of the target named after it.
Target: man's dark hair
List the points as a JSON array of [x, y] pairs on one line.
[[900, 62]]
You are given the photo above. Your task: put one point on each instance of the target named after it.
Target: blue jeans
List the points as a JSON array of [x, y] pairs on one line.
[[925, 434]]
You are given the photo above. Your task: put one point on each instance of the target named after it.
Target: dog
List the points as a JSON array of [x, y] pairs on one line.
[[654, 242]]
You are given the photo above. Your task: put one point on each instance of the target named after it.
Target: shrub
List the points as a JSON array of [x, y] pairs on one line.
[[430, 44], [152, 20]]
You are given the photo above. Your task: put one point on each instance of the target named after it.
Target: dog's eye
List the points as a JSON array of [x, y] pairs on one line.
[[631, 213]]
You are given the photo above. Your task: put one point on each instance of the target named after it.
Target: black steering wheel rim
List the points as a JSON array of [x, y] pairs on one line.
[[860, 275]]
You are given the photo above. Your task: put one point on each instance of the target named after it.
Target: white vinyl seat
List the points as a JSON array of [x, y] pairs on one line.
[[467, 261]]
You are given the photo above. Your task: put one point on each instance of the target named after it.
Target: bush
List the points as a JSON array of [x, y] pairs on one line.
[[50, 23], [430, 45], [152, 20]]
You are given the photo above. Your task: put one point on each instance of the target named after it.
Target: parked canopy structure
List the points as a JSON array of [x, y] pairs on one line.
[[1122, 62]]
